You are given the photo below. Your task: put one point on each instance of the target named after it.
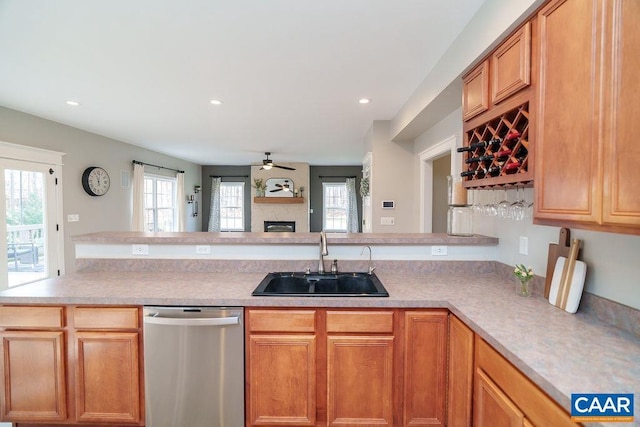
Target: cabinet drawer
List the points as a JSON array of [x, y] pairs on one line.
[[282, 321], [31, 317], [360, 321], [105, 317]]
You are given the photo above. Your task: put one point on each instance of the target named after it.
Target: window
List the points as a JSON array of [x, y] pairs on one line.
[[232, 206], [159, 203], [335, 206]]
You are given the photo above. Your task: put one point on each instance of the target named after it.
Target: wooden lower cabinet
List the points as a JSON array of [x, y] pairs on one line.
[[282, 380], [107, 377], [33, 372], [504, 396], [460, 379], [71, 365], [360, 380], [492, 407], [425, 368], [332, 367]]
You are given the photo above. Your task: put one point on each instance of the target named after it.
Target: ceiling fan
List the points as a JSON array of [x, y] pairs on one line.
[[268, 164], [282, 187]]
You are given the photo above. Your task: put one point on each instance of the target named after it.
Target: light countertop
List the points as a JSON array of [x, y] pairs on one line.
[[562, 353]]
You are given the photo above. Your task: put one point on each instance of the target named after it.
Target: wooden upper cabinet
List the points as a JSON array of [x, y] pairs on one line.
[[567, 140], [511, 65], [621, 197], [475, 91], [586, 151]]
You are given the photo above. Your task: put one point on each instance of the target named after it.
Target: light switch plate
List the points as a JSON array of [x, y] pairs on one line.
[[73, 217], [387, 220], [524, 245]]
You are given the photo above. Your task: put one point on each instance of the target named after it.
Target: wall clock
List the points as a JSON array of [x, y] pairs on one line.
[[95, 181]]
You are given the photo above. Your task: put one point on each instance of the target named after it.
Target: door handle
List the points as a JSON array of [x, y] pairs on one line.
[[195, 321]]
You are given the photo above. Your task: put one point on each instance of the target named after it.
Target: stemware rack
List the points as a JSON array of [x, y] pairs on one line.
[[498, 152]]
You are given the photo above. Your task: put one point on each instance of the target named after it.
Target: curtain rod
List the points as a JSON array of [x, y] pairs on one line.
[[335, 176], [135, 162], [228, 176]]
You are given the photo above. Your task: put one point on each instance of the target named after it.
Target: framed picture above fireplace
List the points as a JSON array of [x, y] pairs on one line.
[[279, 187]]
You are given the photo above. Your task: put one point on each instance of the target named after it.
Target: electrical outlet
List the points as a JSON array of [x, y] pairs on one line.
[[524, 245], [438, 250], [140, 249], [73, 217], [203, 249], [387, 220]]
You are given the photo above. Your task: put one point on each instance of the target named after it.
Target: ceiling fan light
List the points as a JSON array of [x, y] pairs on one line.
[[267, 166]]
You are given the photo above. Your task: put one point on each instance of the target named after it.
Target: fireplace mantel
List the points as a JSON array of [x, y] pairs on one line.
[[279, 200]]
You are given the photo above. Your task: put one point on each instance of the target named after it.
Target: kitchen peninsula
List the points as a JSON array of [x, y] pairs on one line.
[[560, 353]]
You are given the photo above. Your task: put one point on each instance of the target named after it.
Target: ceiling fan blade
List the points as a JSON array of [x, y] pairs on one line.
[[284, 167], [276, 190]]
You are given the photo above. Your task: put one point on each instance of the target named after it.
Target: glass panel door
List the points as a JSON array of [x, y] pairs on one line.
[[28, 193]]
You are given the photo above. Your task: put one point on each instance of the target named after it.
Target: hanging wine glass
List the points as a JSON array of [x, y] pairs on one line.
[[518, 208], [503, 206]]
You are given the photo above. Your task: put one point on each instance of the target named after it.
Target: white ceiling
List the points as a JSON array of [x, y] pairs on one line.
[[289, 72]]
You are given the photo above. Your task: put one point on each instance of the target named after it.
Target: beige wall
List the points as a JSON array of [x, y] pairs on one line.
[[111, 212], [392, 179]]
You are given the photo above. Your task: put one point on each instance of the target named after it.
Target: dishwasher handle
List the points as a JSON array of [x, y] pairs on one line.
[[193, 321]]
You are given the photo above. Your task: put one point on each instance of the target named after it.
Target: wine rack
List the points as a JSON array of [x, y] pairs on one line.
[[498, 151]]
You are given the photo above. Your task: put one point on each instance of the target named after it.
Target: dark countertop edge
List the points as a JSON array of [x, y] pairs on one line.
[[283, 238]]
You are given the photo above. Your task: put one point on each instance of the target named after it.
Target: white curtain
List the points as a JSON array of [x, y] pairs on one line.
[[214, 213], [137, 220], [181, 204], [352, 216]]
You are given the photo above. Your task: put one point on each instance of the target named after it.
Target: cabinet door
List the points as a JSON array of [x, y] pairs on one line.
[[511, 65], [567, 142], [492, 407], [359, 380], [460, 383], [425, 368], [33, 375], [282, 380], [107, 377], [621, 204], [475, 91]]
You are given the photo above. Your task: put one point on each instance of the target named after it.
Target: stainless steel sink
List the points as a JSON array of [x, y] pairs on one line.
[[320, 285]]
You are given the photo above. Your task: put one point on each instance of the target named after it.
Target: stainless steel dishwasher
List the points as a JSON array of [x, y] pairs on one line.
[[194, 366]]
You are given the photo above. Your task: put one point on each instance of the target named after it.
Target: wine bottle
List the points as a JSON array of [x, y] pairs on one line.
[[502, 155], [473, 146], [492, 171], [468, 173], [512, 167], [514, 134]]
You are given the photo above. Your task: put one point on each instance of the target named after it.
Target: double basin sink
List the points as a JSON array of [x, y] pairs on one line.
[[321, 285]]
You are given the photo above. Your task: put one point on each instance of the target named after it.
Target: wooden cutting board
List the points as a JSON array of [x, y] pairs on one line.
[[568, 280], [556, 250]]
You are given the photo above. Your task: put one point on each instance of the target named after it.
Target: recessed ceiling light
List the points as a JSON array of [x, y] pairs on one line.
[[364, 100], [215, 102], [72, 103]]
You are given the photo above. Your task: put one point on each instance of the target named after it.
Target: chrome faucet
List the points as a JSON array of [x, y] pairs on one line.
[[371, 267], [323, 251]]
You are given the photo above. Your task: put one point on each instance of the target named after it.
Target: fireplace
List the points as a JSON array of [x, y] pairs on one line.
[[279, 226]]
